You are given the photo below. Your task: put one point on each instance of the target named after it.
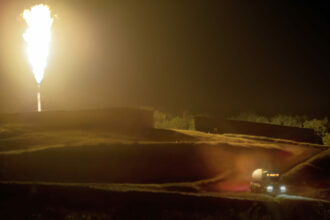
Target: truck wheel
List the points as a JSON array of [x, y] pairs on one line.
[[255, 189]]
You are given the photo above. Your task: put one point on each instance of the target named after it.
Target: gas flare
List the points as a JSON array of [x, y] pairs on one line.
[[38, 37]]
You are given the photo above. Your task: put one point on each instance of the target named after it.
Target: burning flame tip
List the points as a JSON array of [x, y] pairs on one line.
[[38, 38]]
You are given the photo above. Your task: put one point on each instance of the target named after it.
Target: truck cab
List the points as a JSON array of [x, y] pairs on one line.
[[264, 181]]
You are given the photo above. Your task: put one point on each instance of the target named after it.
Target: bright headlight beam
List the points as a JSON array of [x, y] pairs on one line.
[[269, 188]]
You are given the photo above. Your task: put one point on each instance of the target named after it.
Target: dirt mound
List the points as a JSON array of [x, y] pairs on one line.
[[115, 119], [221, 126], [314, 172]]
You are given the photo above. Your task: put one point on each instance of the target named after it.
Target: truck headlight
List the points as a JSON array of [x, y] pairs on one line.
[[282, 188], [269, 188]]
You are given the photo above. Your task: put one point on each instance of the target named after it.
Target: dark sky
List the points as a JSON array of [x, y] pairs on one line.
[[220, 57]]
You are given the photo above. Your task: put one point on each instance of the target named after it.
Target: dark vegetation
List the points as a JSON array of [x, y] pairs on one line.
[[169, 121]]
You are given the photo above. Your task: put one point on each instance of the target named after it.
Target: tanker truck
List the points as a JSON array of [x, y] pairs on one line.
[[264, 181]]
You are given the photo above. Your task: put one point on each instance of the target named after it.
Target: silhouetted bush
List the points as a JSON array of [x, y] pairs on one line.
[[167, 121], [252, 117], [319, 126], [288, 120], [326, 139]]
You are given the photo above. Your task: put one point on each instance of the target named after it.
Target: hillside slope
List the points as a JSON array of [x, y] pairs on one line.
[[146, 156]]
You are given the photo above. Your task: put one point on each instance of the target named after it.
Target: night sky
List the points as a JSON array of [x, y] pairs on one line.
[[217, 57]]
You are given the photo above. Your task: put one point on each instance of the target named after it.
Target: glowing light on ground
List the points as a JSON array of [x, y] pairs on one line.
[[38, 37], [39, 100]]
